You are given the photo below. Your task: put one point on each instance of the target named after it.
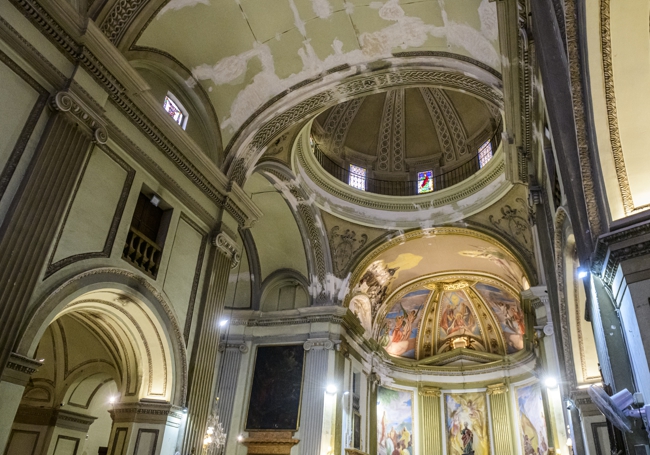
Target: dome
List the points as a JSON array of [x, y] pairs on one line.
[[477, 315], [406, 130]]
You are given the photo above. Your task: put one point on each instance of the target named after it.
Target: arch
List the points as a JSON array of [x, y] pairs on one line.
[[127, 302], [445, 71], [280, 279], [570, 294], [175, 74]]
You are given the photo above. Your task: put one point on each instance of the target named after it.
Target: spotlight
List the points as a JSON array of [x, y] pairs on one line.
[[184, 410], [41, 360], [223, 322], [331, 389], [582, 272], [347, 392], [111, 400], [155, 200], [550, 382], [240, 438]]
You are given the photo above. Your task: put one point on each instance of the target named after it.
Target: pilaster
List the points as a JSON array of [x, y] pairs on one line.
[[225, 255], [430, 424], [231, 354], [498, 395], [31, 224], [313, 396]]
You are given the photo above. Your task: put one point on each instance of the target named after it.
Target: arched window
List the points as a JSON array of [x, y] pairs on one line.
[[175, 109]]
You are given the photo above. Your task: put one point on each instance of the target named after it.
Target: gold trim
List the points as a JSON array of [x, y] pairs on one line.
[[612, 114], [496, 389], [426, 391]]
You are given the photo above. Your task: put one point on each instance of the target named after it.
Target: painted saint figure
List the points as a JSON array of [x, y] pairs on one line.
[[467, 436]]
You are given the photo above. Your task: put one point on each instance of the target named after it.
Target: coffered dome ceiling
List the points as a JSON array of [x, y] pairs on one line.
[[406, 129]]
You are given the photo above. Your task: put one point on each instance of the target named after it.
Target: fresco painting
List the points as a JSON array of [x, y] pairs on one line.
[[508, 312], [394, 422], [399, 332], [277, 387], [532, 421], [456, 318], [466, 424]]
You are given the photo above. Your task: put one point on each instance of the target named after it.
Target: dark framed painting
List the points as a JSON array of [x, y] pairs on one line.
[[277, 388]]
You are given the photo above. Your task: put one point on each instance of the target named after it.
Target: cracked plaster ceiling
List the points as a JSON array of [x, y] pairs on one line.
[[244, 52]]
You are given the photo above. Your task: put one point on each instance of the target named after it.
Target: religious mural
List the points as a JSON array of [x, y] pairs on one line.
[[399, 332], [377, 279], [499, 259], [508, 313], [458, 321], [466, 424], [532, 420], [394, 422], [277, 386]]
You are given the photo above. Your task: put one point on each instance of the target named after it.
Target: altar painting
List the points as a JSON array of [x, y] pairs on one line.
[[466, 424], [508, 312], [532, 421], [394, 421], [456, 318], [400, 328]]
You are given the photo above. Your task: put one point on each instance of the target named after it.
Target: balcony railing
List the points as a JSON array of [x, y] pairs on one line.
[[142, 252], [410, 187]]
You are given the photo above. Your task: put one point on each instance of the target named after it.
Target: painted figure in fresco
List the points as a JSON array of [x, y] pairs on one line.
[[497, 258], [382, 438], [457, 317], [528, 447], [467, 436]]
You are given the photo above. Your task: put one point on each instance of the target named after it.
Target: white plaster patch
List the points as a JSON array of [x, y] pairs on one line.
[[405, 32], [299, 23], [487, 12], [322, 8], [349, 8], [175, 5]]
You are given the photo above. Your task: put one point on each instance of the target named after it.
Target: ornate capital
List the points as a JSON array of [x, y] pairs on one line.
[[227, 246], [496, 389], [241, 347], [19, 368], [318, 343], [68, 102], [429, 392]]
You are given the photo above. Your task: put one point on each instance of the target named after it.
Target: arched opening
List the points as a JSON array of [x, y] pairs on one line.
[[108, 360]]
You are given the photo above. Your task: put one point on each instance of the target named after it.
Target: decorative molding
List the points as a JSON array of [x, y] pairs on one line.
[[426, 391], [120, 17], [578, 92], [343, 246], [515, 222], [144, 412], [228, 247], [53, 267], [497, 389], [197, 277], [353, 87], [442, 130], [34, 116], [612, 114], [69, 102], [21, 365]]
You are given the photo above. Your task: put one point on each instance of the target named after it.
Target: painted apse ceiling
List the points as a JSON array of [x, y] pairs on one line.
[[245, 52], [432, 292]]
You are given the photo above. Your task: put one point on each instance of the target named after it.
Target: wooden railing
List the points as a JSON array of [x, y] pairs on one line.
[[142, 252]]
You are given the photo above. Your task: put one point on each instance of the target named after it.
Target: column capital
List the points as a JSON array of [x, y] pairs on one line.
[[66, 101], [144, 412], [319, 343], [426, 391], [234, 346], [19, 369], [227, 246], [497, 389]]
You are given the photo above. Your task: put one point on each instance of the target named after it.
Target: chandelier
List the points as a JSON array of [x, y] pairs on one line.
[[215, 437]]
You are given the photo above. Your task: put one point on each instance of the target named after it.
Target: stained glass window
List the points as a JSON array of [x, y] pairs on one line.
[[484, 153], [172, 109], [425, 182], [357, 177]]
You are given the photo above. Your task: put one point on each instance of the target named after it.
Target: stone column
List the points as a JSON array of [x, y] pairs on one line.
[[430, 425], [203, 371], [143, 428], [231, 354], [501, 427], [313, 398], [12, 384], [29, 228]]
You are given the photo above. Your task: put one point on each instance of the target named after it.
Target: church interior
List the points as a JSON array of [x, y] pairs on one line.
[[324, 227]]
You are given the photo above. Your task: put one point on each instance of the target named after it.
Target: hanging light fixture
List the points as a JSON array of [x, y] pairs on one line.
[[215, 437]]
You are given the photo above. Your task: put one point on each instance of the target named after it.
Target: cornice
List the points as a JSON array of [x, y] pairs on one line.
[[87, 45]]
